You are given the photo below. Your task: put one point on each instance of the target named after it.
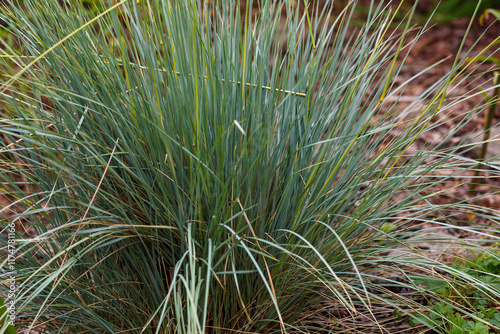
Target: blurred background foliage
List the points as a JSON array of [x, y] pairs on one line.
[[448, 10]]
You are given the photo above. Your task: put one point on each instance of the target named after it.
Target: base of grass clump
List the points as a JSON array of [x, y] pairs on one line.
[[178, 183]]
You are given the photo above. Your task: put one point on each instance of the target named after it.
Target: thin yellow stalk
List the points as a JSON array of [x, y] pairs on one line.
[[309, 24], [487, 127], [400, 47], [243, 62]]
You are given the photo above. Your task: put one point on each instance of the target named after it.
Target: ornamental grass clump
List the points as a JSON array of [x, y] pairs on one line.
[[189, 167]]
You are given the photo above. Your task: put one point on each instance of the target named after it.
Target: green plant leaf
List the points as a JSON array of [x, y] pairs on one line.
[[442, 309], [478, 328], [495, 320], [492, 265], [458, 321], [456, 330], [4, 320]]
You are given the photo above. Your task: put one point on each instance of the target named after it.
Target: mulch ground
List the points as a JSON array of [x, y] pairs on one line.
[[443, 42]]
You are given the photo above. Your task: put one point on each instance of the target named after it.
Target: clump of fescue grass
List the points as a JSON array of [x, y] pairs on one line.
[[187, 174]]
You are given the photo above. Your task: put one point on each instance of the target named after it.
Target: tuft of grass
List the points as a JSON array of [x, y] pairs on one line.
[[181, 172]]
